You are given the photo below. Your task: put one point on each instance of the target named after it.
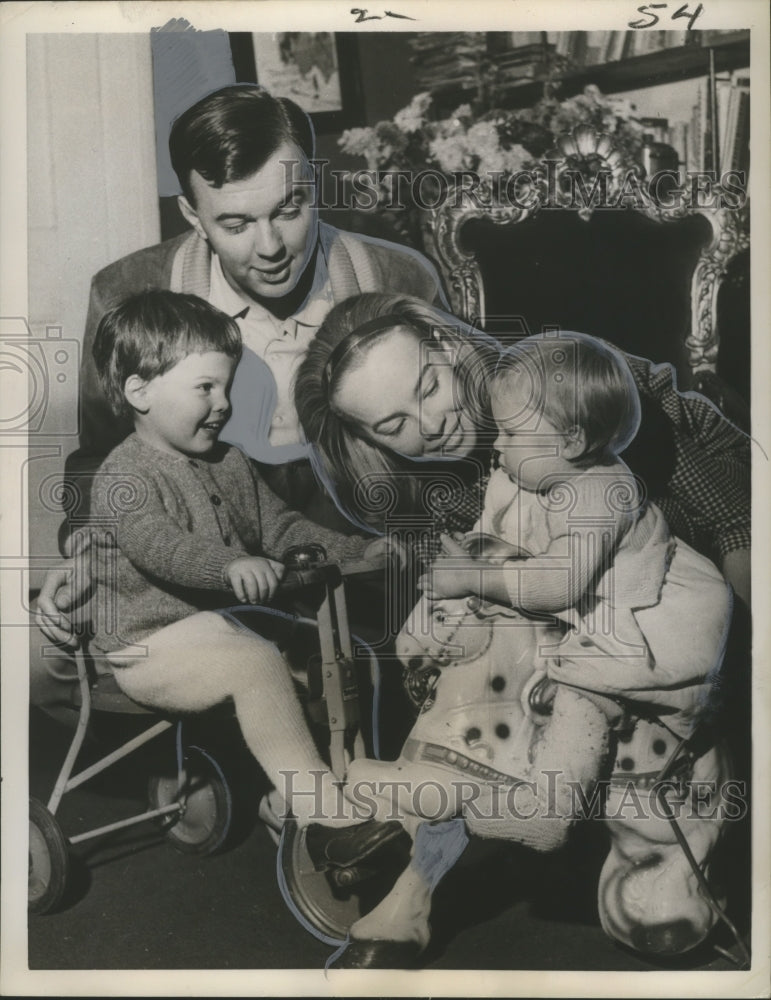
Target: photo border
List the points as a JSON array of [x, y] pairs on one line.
[[16, 20]]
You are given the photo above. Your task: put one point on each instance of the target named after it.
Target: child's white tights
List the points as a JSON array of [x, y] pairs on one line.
[[200, 661]]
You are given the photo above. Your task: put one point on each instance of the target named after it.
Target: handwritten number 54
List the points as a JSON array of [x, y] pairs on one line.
[[648, 8]]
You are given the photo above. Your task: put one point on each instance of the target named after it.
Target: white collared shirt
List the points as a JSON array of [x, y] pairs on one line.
[[264, 421]]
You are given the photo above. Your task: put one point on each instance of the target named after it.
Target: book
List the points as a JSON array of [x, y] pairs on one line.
[[647, 41], [520, 38], [679, 139], [734, 141], [725, 121], [596, 44], [740, 159], [617, 46], [696, 130], [675, 39]]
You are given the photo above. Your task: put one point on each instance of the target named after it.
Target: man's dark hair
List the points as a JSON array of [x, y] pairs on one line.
[[230, 135], [149, 333]]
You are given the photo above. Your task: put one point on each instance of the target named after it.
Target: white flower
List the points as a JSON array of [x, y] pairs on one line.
[[593, 92], [357, 141], [413, 117], [450, 152]]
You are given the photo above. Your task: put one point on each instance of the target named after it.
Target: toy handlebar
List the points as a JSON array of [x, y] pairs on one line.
[[333, 573]]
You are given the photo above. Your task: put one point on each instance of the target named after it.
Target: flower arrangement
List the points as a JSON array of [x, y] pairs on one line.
[[497, 141]]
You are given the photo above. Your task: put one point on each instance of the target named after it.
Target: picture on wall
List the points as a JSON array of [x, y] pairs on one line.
[[318, 70], [301, 65]]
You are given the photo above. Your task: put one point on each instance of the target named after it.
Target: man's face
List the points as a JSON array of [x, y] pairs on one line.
[[263, 228]]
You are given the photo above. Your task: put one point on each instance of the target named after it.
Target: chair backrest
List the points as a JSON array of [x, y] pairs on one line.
[[594, 249]]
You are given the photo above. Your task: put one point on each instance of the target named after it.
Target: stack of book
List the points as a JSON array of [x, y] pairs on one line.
[[642, 42], [526, 62], [595, 48], [693, 139], [448, 60]]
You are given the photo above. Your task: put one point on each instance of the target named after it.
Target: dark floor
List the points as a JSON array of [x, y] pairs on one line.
[[136, 903]]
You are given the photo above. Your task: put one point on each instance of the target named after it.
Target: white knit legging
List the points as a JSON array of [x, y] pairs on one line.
[[200, 661]]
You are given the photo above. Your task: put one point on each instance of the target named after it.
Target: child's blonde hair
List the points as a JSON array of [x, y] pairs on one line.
[[576, 382]]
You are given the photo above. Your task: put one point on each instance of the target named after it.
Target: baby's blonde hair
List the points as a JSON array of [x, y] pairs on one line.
[[575, 382]]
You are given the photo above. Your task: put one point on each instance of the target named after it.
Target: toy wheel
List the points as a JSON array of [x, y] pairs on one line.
[[48, 860], [203, 822], [324, 907]]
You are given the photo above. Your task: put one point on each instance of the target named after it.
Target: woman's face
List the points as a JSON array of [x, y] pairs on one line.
[[404, 397]]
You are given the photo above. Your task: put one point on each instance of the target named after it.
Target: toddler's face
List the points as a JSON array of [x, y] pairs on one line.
[[187, 406], [529, 446]]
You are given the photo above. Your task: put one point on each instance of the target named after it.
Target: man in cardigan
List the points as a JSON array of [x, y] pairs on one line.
[[258, 251]]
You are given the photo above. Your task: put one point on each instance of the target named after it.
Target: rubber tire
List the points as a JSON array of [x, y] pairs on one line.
[[203, 825], [49, 861], [325, 910]]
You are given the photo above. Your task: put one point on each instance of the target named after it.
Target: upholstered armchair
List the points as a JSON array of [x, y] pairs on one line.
[[587, 242]]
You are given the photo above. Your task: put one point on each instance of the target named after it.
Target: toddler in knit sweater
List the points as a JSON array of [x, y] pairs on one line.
[[184, 523]]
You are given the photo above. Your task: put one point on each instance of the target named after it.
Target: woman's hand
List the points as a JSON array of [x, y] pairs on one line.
[[254, 578], [385, 548]]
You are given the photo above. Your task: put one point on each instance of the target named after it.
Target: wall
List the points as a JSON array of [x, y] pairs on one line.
[[92, 199]]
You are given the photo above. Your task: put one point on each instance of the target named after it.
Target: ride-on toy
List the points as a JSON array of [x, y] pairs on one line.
[[328, 902], [194, 803]]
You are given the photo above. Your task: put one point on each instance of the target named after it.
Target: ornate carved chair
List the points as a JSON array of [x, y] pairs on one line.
[[586, 242]]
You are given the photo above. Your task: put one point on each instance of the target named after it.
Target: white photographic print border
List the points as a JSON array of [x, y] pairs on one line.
[[23, 208]]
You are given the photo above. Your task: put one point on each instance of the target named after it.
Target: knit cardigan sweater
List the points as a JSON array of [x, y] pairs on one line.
[[356, 264], [167, 526]]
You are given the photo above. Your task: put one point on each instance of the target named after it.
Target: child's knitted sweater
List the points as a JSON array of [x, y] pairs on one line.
[[168, 526]]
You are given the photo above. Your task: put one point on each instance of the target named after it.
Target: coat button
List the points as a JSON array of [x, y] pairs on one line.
[[215, 500]]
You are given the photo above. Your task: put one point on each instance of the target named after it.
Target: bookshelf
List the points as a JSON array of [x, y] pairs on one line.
[[512, 71], [487, 64]]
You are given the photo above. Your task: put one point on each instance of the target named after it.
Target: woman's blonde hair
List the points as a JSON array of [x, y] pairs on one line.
[[357, 472]]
